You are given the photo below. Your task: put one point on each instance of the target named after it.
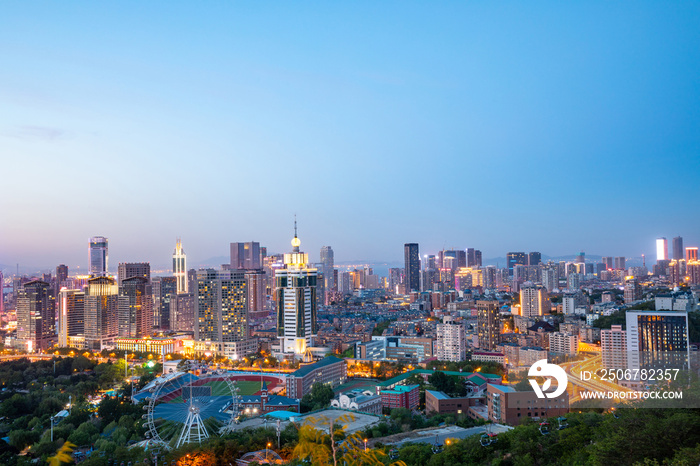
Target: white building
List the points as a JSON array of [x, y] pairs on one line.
[[451, 340], [180, 267], [295, 289], [563, 343], [359, 400]]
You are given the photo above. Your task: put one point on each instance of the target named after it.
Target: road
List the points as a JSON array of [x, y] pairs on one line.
[[590, 364]]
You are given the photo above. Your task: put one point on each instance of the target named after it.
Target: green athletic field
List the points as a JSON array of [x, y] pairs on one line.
[[245, 387]]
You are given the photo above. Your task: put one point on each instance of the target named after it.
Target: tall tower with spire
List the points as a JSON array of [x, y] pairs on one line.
[[180, 267], [295, 290]]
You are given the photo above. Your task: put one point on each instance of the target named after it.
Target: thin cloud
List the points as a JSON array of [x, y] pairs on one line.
[[36, 133]]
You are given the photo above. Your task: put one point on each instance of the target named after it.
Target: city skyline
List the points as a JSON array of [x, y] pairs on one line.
[[513, 141]]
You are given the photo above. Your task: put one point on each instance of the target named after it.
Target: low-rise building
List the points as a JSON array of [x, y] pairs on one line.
[[508, 406], [363, 401], [330, 370], [488, 356], [439, 403], [401, 396]]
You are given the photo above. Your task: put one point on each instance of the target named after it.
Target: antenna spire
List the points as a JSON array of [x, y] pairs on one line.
[[295, 225]]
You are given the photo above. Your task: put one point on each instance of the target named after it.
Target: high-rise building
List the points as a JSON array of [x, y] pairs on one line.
[[515, 258], [133, 269], [451, 340], [581, 258], [534, 258], [608, 261], [488, 322], [256, 293], [135, 312], [71, 315], [550, 278], [164, 290], [61, 275], [471, 257], [327, 267], [661, 249], [613, 347], [222, 308], [620, 263], [245, 256], [563, 343], [99, 257], [477, 258], [295, 293], [691, 254], [633, 290], [101, 313], [677, 248], [412, 267], [35, 316], [657, 340], [2, 292], [180, 268], [534, 300], [182, 312]]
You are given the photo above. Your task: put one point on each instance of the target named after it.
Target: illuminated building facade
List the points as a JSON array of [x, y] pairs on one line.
[[164, 291], [98, 256], [691, 254], [180, 268], [245, 256], [222, 313], [488, 323], [633, 290], [295, 293], [515, 258], [534, 300], [327, 257], [657, 339], [661, 249], [71, 315]]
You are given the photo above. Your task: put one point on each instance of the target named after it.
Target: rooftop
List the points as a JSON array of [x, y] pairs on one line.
[[438, 395], [306, 370]]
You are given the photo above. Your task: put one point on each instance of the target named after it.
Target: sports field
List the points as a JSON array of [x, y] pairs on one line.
[[245, 387]]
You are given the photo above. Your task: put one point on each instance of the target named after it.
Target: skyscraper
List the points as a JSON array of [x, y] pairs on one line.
[[534, 300], [164, 291], [633, 290], [180, 267], [608, 262], [515, 258], [661, 249], [222, 312], [99, 257], [2, 292], [61, 275], [477, 258], [691, 254], [71, 315], [451, 340], [327, 267], [534, 258], [412, 267], [657, 339], [488, 322], [101, 313], [678, 248], [133, 269], [620, 263], [471, 257], [245, 256], [135, 312], [295, 293], [35, 316]]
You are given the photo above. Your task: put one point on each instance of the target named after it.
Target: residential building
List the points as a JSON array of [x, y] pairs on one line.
[[563, 343], [633, 290], [534, 300], [451, 340], [71, 315], [613, 347], [488, 323]]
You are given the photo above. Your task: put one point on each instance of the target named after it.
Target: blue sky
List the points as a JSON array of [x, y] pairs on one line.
[[503, 126]]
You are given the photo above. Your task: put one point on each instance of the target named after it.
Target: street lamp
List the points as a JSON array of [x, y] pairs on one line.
[[365, 445], [267, 452]]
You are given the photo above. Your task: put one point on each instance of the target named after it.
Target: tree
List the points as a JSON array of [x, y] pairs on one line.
[[319, 397], [323, 441]]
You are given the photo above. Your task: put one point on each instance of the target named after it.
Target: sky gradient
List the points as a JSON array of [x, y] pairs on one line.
[[502, 126]]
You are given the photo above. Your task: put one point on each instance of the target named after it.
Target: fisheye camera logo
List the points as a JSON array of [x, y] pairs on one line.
[[543, 369]]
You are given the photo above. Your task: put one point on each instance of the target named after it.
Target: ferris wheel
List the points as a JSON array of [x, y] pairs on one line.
[[190, 405]]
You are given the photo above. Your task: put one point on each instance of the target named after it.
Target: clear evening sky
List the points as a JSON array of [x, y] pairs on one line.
[[549, 126]]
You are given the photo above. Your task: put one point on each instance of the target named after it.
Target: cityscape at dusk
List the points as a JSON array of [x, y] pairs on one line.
[[364, 233]]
